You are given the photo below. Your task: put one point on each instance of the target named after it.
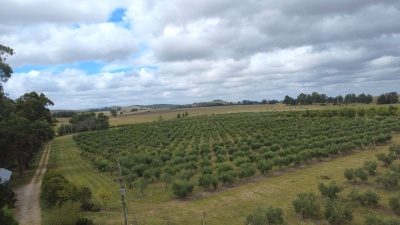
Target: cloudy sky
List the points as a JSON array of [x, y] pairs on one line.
[[92, 53]]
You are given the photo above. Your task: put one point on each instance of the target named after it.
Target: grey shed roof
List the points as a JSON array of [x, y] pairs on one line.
[[4, 175]]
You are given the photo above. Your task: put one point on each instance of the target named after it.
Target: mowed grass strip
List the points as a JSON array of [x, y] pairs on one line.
[[228, 205], [77, 170]]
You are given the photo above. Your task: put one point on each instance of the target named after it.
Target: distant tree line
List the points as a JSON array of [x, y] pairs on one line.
[[316, 98], [264, 101], [388, 98], [64, 114], [100, 109], [84, 122]]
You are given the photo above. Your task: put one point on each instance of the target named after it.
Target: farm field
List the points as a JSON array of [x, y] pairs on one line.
[[154, 114], [224, 206], [232, 201]]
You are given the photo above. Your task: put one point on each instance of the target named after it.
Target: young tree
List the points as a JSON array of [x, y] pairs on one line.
[[349, 174], [360, 173], [306, 204], [387, 159], [337, 212], [264, 166], [353, 174], [269, 216], [330, 190], [246, 170], [365, 198], [167, 177], [388, 179], [142, 184], [182, 188], [188, 174], [370, 167], [207, 180]]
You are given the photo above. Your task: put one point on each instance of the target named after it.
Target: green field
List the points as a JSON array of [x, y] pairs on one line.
[[229, 204]]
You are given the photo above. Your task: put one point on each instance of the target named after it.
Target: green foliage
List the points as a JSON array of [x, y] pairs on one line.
[[375, 219], [7, 216], [228, 177], [394, 203], [5, 69], [387, 159], [329, 190], [264, 166], [104, 197], [182, 188], [337, 213], [306, 204], [208, 180], [231, 146], [142, 184], [113, 112], [56, 190], [267, 216], [365, 198], [389, 179], [246, 170], [349, 174], [25, 124], [395, 148], [85, 122], [353, 174], [370, 167]]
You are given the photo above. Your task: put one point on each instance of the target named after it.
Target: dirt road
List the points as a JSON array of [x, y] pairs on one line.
[[27, 205]]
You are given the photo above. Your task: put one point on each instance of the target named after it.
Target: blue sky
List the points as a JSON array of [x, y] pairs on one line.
[[85, 54]]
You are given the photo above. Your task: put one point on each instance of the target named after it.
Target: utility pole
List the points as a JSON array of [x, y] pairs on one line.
[[122, 191]]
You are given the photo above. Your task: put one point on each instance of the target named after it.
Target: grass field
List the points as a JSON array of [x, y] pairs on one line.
[[226, 205]]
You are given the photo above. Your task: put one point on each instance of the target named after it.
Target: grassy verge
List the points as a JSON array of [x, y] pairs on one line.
[[225, 206]]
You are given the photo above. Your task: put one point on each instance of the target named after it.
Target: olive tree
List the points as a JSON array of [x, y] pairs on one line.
[[306, 204]]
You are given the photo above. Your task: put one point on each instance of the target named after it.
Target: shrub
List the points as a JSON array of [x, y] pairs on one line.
[[337, 212], [330, 190], [267, 216], [365, 198], [182, 188], [394, 203]]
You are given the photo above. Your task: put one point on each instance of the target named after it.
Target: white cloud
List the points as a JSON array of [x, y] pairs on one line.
[[186, 51]]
